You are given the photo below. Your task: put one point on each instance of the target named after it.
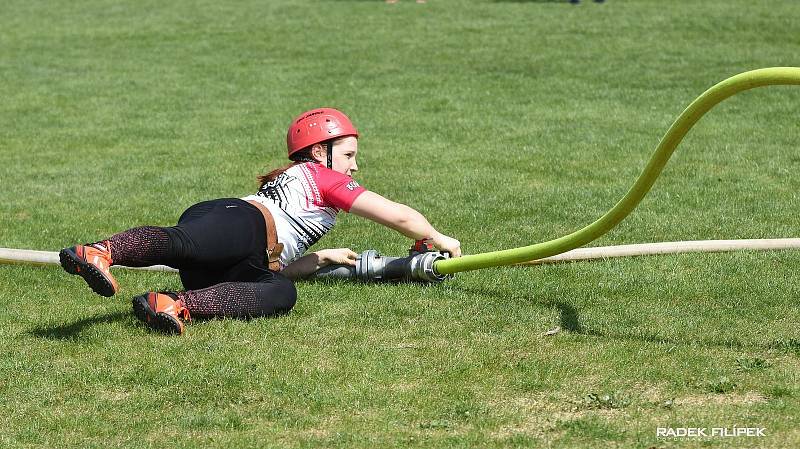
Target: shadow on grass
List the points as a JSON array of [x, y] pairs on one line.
[[569, 320], [72, 331], [568, 317]]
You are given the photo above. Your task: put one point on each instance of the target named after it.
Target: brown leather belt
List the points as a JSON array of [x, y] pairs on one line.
[[274, 248]]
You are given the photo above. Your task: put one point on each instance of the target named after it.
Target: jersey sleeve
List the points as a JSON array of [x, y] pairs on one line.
[[338, 190]]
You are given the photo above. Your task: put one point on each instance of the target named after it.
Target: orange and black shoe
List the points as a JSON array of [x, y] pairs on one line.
[[92, 263], [161, 311]]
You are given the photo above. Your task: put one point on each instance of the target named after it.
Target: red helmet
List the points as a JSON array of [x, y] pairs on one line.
[[317, 126]]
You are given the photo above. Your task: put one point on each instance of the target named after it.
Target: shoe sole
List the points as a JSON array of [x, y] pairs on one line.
[[73, 264], [160, 321]]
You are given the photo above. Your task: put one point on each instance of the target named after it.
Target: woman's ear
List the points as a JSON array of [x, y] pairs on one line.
[[319, 153]]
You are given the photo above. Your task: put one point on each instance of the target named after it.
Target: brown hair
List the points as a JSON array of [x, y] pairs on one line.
[[297, 158]]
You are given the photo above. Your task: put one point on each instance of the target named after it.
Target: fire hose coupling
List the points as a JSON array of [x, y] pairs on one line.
[[423, 257], [422, 267], [372, 267]]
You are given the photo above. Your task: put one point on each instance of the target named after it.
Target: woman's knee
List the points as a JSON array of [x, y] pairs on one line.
[[288, 293], [277, 295]]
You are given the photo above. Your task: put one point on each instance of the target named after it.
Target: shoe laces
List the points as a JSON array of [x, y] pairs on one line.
[[182, 312]]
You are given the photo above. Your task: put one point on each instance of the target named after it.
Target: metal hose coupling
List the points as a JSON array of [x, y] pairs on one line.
[[372, 267], [422, 269]]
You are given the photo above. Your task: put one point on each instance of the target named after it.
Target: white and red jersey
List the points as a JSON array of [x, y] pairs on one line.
[[304, 201]]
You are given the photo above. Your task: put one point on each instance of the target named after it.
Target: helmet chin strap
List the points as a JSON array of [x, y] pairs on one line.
[[329, 146]]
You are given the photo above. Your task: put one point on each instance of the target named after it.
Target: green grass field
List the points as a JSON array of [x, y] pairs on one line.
[[506, 123]]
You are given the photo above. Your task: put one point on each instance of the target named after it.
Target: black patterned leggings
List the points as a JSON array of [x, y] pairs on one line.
[[219, 248]]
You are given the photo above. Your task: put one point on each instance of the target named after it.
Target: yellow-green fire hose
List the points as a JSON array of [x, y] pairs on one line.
[[681, 126]]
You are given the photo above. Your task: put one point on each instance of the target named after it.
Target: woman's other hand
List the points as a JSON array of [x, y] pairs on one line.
[[337, 256]]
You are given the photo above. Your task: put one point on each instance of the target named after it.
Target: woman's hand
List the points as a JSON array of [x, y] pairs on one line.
[[448, 244], [336, 256], [310, 263]]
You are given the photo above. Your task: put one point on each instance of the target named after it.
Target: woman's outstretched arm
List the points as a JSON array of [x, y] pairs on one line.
[[402, 219]]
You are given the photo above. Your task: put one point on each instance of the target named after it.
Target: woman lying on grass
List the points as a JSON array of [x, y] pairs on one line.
[[238, 257]]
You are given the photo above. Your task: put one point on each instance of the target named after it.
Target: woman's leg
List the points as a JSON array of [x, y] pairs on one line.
[[211, 236], [273, 294], [138, 247]]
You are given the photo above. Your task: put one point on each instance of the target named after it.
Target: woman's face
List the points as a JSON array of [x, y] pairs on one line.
[[345, 150]]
